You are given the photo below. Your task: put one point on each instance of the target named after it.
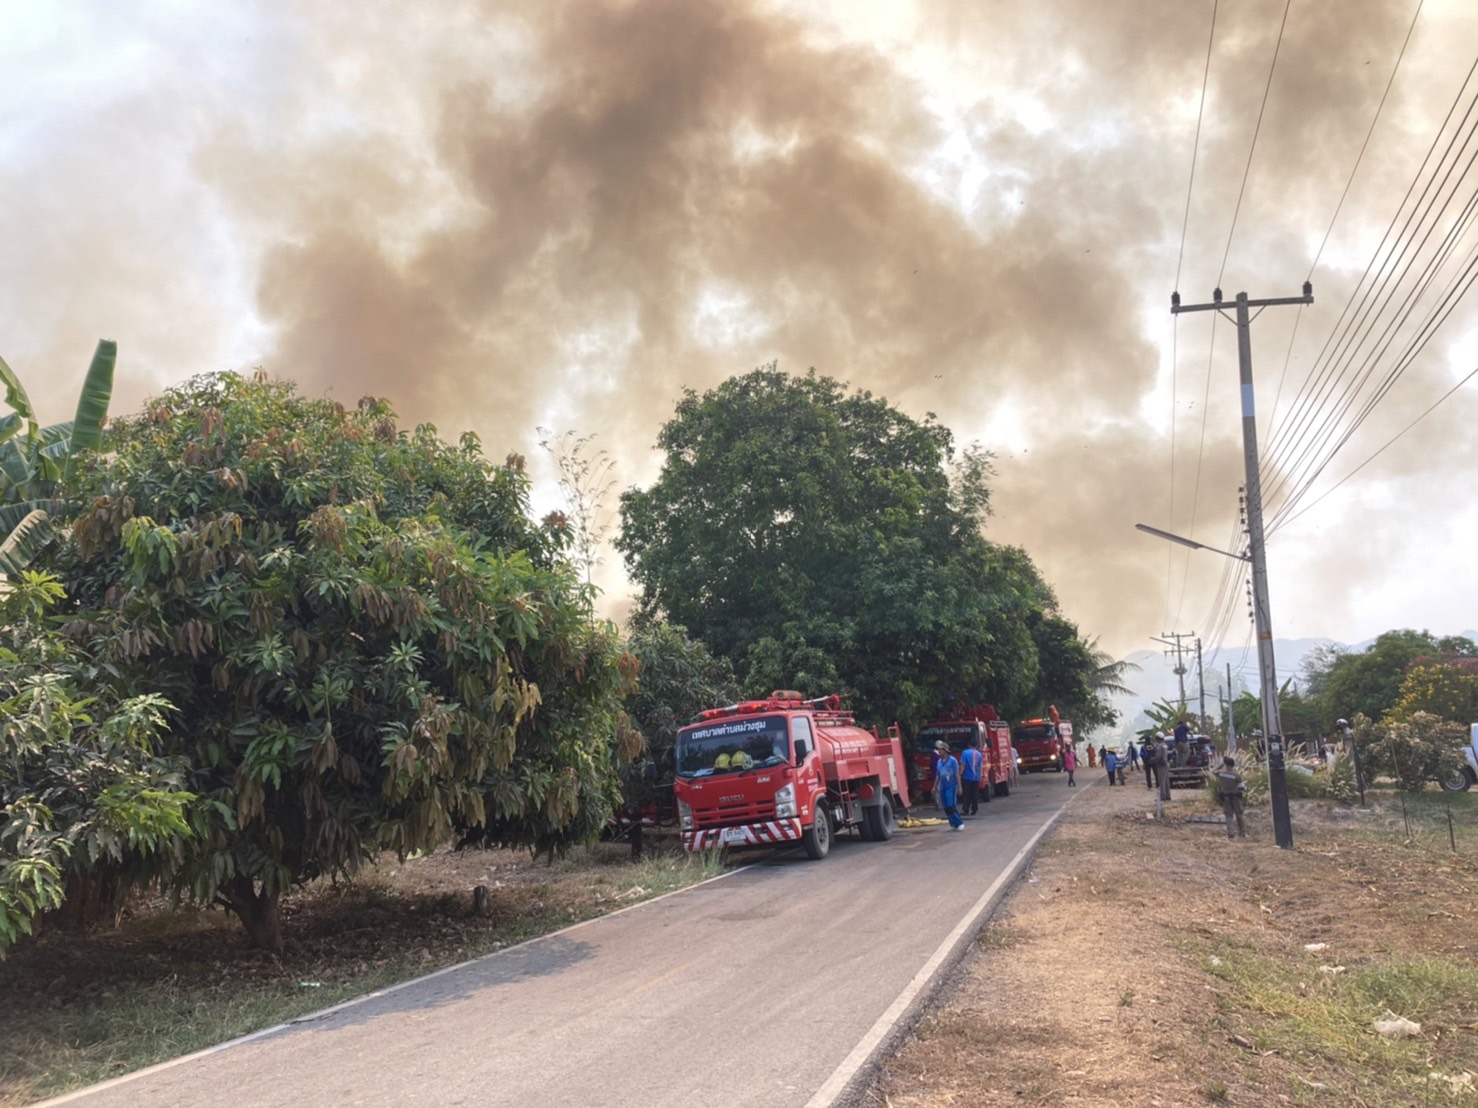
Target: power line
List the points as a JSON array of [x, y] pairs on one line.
[[1319, 380], [1360, 156], [1382, 450], [1196, 146], [1253, 148], [1379, 108], [1175, 321], [1307, 465]]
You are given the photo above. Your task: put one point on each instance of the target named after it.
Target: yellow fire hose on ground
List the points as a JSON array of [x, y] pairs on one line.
[[914, 821]]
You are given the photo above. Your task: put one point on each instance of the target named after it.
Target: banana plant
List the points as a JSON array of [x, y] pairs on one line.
[[36, 460], [1163, 716]]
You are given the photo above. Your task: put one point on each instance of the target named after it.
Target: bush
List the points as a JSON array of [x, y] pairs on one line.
[[1412, 751]]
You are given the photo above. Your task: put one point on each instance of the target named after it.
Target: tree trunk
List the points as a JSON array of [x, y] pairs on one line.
[[636, 836], [259, 912], [91, 896]]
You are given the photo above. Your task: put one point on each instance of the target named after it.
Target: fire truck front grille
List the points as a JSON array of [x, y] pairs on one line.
[[735, 812]]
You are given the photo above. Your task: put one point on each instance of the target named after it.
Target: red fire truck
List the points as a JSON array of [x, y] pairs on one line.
[[1039, 743], [960, 727], [784, 769]]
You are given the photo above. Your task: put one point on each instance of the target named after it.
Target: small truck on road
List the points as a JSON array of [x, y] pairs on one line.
[[784, 769], [1464, 777]]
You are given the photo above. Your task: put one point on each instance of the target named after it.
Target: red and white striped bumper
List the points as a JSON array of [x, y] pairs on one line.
[[750, 834]]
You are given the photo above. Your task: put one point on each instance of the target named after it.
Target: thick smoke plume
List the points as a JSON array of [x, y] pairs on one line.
[[503, 216]]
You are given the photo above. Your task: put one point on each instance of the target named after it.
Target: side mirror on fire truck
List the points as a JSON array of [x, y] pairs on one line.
[[801, 750]]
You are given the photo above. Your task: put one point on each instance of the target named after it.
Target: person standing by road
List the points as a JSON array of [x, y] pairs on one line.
[[1111, 763], [1144, 758], [1070, 763], [1092, 757], [1162, 768], [947, 785], [1233, 789], [972, 762], [1154, 760], [1132, 757]]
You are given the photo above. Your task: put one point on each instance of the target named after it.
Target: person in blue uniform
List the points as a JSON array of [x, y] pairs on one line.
[[947, 785]]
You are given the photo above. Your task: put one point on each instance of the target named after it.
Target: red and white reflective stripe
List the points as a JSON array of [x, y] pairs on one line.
[[755, 834]]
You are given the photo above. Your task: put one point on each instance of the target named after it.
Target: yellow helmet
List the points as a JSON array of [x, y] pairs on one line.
[[740, 760], [721, 762]]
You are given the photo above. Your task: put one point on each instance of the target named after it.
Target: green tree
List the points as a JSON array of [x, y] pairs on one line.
[[35, 460], [84, 786], [1447, 689], [814, 537], [677, 679], [366, 643], [1369, 683], [1067, 666]]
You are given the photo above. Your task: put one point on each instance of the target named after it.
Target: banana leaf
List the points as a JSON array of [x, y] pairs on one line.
[[25, 541], [15, 395], [14, 465], [9, 425], [12, 515], [92, 403]]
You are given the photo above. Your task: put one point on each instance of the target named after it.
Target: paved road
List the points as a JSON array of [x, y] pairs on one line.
[[751, 990]]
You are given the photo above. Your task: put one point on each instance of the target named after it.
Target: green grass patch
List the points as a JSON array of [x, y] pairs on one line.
[[1323, 1020]]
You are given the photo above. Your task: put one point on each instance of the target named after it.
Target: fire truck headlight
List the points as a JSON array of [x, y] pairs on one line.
[[785, 801], [685, 815]]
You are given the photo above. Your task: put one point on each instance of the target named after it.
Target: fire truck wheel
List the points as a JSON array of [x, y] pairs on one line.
[[817, 838], [878, 821]]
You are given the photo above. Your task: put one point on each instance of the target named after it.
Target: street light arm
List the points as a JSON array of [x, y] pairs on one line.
[[1192, 543]]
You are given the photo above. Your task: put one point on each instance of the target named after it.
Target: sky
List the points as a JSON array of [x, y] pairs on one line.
[[508, 216]]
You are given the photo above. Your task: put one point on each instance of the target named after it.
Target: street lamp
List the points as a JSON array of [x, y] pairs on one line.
[[1268, 681]]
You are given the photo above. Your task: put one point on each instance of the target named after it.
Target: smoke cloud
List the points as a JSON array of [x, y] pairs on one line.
[[503, 216]]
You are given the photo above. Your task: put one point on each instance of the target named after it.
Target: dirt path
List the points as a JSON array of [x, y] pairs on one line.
[[1158, 963]]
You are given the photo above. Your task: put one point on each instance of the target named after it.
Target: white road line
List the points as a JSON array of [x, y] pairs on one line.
[[159, 1067], [842, 1076]]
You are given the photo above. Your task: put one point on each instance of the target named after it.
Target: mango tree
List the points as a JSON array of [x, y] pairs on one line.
[[365, 642], [84, 786]]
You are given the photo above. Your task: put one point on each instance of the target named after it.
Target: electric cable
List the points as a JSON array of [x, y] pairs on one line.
[[1316, 383], [1236, 211], [1318, 254], [1433, 407]]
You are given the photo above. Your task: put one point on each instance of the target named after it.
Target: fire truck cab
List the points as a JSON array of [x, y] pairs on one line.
[[784, 769]]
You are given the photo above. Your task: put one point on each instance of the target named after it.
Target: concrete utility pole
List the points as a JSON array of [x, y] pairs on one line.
[[1179, 651], [1201, 684], [1231, 716], [1272, 725]]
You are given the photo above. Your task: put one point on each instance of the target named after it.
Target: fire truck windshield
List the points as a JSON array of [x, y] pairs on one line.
[[735, 743], [1032, 732]]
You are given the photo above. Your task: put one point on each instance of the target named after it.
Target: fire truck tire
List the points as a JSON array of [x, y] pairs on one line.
[[879, 821], [817, 838]]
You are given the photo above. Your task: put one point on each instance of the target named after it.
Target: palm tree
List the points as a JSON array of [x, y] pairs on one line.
[[35, 460], [1107, 675]]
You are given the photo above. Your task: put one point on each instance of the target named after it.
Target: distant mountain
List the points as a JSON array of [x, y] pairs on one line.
[[1157, 680]]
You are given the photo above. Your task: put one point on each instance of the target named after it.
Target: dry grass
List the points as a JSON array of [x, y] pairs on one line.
[[1157, 963]]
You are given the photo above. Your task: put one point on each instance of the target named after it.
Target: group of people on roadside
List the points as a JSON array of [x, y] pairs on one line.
[[957, 781]]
